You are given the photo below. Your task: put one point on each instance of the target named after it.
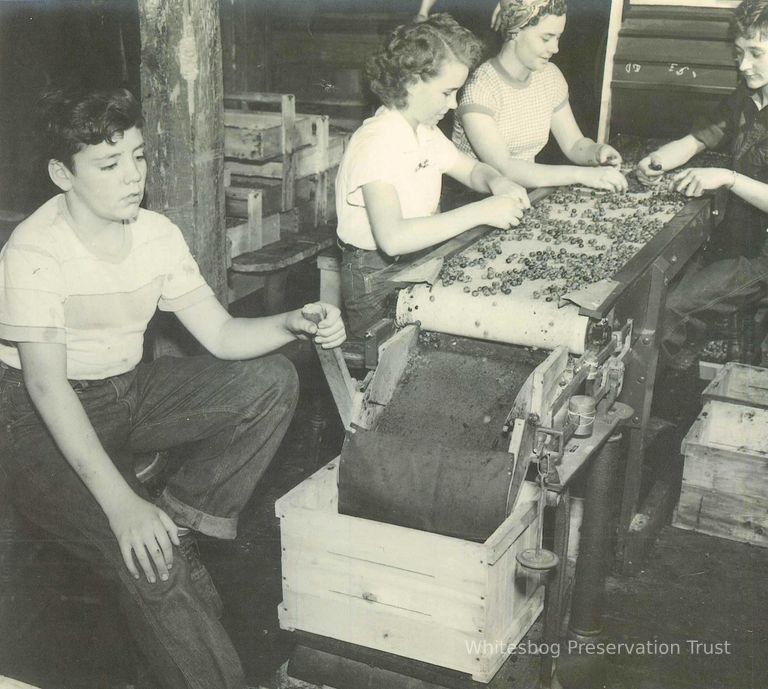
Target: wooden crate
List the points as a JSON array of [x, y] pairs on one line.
[[279, 174], [739, 384], [314, 197], [256, 159], [453, 603], [309, 159], [725, 479], [257, 135]]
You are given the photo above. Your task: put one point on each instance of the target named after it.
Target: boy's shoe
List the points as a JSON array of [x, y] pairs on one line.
[[198, 572]]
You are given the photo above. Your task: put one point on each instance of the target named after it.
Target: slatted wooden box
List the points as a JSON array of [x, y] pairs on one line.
[[453, 603], [739, 384], [725, 479], [673, 59], [253, 148], [252, 139], [279, 174]]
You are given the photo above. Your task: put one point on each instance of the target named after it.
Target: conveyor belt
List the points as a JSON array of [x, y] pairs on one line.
[[511, 286]]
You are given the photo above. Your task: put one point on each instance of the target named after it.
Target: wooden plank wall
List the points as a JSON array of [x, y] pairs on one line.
[[672, 64]]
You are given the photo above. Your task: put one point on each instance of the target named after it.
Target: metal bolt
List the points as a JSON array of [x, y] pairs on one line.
[[641, 379]]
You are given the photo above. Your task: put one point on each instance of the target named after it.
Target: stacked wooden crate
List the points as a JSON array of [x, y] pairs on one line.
[[292, 158], [725, 480], [280, 168]]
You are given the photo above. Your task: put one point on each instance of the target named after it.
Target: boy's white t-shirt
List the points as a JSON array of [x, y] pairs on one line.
[[54, 289], [386, 149]]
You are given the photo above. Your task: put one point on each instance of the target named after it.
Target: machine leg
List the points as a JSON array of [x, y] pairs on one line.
[[556, 587], [638, 394], [594, 546], [586, 619]]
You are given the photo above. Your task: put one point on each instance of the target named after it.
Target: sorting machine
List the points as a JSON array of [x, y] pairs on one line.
[[422, 553], [523, 366]]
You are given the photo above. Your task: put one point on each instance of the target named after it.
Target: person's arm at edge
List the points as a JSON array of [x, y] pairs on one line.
[[696, 181], [668, 157], [139, 526], [753, 191], [424, 9]]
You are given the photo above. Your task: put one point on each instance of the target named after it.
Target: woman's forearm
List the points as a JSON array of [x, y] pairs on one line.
[[535, 175], [751, 190], [676, 153], [584, 152]]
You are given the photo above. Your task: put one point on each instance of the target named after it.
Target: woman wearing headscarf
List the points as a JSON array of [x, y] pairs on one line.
[[512, 102]]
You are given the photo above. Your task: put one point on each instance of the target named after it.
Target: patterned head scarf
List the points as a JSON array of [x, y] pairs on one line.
[[517, 14]]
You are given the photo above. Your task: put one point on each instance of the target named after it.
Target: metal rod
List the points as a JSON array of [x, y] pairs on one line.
[[555, 588], [596, 527]]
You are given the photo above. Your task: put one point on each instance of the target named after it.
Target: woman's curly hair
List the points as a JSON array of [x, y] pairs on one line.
[[750, 19], [418, 51], [516, 15]]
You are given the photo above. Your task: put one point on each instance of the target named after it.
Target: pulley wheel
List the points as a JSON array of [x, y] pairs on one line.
[[540, 559]]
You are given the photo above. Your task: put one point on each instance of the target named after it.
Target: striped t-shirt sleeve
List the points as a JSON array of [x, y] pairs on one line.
[[32, 303], [183, 284]]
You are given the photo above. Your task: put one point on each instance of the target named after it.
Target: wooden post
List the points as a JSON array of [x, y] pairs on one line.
[[182, 96], [614, 24]]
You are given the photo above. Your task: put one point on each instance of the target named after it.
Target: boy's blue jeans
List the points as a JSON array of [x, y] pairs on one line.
[[224, 421]]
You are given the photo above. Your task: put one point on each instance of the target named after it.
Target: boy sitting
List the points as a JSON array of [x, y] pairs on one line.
[[79, 281]]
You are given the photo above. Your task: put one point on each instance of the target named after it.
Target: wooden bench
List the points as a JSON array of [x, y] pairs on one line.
[[267, 268]]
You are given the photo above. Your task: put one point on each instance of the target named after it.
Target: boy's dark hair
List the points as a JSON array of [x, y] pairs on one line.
[[69, 120], [419, 50], [751, 19], [518, 14]]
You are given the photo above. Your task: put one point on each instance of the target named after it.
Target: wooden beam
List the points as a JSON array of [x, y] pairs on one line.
[[614, 24], [182, 97]]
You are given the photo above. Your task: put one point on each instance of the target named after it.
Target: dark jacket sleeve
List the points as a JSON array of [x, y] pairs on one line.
[[718, 129]]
